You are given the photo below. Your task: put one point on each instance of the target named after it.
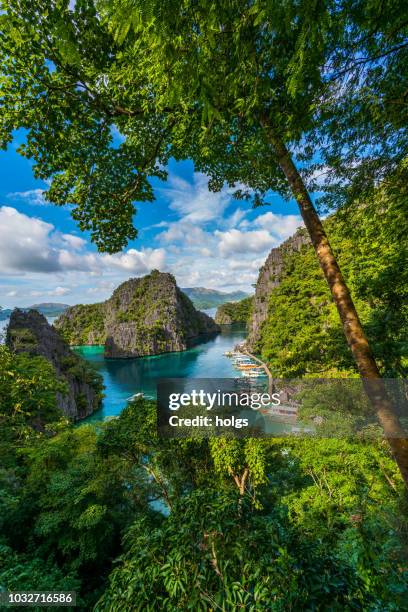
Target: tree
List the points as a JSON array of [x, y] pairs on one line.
[[194, 560], [28, 395], [233, 85]]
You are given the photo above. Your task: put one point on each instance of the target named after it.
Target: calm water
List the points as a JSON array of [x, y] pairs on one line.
[[124, 377]]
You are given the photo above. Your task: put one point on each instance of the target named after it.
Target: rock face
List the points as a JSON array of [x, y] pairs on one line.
[[223, 316], [144, 316], [31, 333], [268, 279]]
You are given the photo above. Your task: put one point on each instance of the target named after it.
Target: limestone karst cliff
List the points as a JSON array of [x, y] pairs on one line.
[[144, 316], [268, 279], [31, 333]]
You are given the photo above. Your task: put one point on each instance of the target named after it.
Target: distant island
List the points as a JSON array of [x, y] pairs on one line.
[[48, 309], [204, 299]]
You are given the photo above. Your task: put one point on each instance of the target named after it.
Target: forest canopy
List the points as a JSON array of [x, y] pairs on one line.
[[304, 99], [201, 81]]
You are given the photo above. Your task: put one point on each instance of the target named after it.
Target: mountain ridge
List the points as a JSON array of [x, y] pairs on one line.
[[204, 298], [49, 309]]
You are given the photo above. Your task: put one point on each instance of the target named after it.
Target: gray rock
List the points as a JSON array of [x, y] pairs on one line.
[[268, 279]]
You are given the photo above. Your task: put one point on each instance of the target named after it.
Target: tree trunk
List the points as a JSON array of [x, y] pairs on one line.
[[356, 338]]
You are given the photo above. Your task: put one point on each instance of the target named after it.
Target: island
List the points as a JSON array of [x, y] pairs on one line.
[[144, 316], [29, 332]]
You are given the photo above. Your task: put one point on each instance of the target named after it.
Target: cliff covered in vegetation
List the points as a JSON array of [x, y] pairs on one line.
[[295, 325], [234, 312], [144, 316], [81, 393], [268, 279]]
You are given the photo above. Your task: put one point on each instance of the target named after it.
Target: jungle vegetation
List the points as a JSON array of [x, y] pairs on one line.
[[262, 95], [259, 94]]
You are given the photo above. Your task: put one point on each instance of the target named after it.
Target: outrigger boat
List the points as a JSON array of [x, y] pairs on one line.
[[239, 360]]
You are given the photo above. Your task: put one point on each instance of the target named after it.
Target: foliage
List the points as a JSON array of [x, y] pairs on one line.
[[346, 494], [28, 394], [211, 553], [78, 369], [20, 572], [198, 80], [83, 324], [204, 299], [302, 333], [234, 312], [180, 515]]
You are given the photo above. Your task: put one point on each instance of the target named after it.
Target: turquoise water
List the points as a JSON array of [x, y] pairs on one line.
[[124, 377]]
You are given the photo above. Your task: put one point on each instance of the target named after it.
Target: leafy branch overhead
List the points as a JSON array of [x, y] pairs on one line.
[[197, 80]]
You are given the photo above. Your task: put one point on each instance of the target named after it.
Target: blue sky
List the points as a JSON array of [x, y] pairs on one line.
[[204, 239]]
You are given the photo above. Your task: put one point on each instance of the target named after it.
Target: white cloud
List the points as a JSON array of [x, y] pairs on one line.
[[101, 287], [28, 244], [183, 231], [251, 265], [83, 262], [234, 241], [11, 293], [136, 262], [32, 196], [204, 242], [75, 242], [59, 291], [234, 220], [281, 226], [194, 202], [24, 243]]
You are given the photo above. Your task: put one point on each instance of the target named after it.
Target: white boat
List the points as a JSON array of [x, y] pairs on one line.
[[253, 374], [134, 396]]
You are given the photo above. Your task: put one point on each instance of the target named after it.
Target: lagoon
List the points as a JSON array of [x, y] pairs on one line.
[[125, 377]]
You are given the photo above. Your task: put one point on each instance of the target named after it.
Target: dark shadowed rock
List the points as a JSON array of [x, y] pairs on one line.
[[144, 316], [30, 332]]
